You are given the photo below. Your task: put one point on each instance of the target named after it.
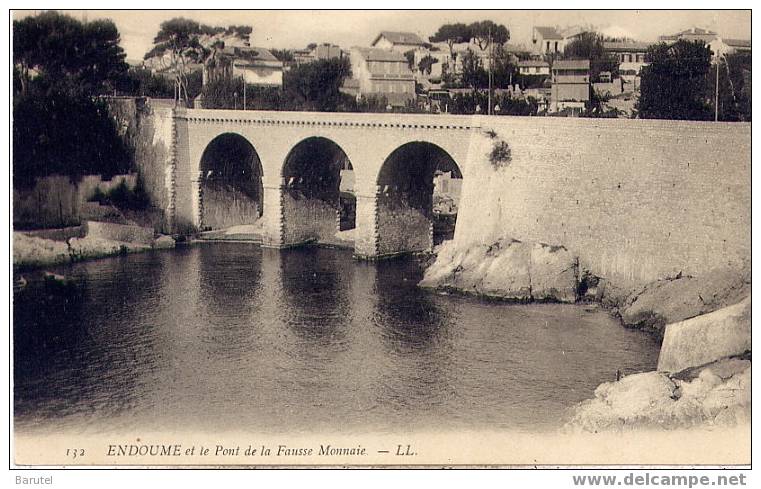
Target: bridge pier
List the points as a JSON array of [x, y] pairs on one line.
[[366, 233], [272, 219]]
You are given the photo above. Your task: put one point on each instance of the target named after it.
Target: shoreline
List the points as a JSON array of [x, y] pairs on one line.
[[32, 253], [696, 383]]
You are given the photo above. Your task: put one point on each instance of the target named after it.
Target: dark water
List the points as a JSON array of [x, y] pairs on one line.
[[234, 337]]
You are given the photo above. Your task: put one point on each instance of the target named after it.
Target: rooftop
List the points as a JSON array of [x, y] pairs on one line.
[[695, 33], [625, 46], [737, 43], [571, 64], [373, 54], [533, 63], [548, 32], [249, 53], [400, 38]]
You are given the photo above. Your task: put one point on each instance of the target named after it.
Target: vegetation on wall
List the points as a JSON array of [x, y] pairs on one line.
[[124, 197]]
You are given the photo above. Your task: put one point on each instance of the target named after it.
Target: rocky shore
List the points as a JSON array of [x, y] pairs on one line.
[[717, 394], [35, 252], [703, 375]]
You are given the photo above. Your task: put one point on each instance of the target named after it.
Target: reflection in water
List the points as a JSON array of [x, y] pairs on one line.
[[235, 337], [327, 282]]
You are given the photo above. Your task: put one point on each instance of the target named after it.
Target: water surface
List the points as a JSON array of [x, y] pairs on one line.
[[231, 336]]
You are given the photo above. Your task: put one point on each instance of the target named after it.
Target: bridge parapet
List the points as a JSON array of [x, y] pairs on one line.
[[332, 119]]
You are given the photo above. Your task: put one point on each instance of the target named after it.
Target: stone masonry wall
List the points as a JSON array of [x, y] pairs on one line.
[[307, 219], [149, 131], [637, 200], [225, 206], [401, 228]]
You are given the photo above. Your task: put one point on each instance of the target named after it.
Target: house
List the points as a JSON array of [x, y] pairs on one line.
[[553, 40], [401, 42], [318, 53], [441, 62], [631, 58], [382, 73], [738, 45], [257, 66], [693, 34], [570, 84], [547, 40], [715, 42], [533, 67], [302, 56]]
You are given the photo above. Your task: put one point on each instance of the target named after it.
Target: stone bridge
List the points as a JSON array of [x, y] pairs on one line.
[[292, 161]]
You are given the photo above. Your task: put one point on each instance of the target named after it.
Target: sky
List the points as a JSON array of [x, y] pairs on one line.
[[297, 28]]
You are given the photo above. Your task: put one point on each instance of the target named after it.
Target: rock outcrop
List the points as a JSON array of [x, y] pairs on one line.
[[716, 395], [671, 300], [506, 269], [33, 252]]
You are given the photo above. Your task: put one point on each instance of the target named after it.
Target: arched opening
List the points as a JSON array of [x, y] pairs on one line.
[[419, 193], [231, 192], [319, 203]]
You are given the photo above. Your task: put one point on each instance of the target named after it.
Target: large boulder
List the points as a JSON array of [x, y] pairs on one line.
[[507, 274], [672, 300], [633, 401], [30, 251], [718, 394], [704, 339], [554, 273], [506, 269]]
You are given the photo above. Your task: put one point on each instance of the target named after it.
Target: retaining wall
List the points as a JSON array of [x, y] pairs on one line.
[[636, 199]]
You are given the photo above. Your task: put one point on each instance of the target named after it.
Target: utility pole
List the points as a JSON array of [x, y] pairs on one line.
[[244, 93], [490, 68], [716, 97]]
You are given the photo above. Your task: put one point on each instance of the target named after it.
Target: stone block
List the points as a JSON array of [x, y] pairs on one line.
[[707, 338]]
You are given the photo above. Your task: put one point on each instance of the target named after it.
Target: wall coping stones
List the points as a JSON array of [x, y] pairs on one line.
[[328, 119]]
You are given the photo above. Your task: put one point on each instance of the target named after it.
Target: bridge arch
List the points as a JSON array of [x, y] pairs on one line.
[[230, 187], [418, 193], [318, 193]]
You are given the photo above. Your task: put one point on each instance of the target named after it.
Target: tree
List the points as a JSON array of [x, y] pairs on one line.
[[734, 87], [185, 41], [67, 55], [60, 127], [410, 56], [316, 85], [56, 134], [674, 85], [589, 45], [284, 55], [473, 73], [486, 32], [180, 38], [426, 64], [503, 67], [451, 34]]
